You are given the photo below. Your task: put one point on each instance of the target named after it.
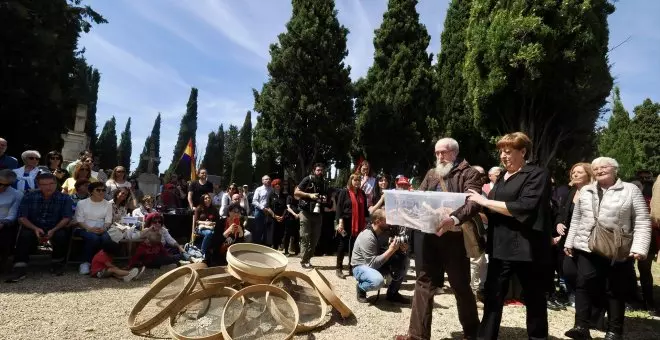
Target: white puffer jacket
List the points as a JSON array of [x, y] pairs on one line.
[[622, 206]]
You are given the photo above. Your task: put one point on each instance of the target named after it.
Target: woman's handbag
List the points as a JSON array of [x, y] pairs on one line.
[[614, 244]]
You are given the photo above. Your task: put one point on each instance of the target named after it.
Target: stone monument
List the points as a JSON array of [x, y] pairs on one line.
[[77, 140], [149, 182]]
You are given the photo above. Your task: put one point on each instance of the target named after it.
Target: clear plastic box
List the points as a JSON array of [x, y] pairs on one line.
[[421, 210]]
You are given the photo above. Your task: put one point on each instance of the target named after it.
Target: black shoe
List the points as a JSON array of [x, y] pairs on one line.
[[340, 274], [57, 269], [307, 266], [361, 294], [612, 336], [578, 333], [397, 298], [16, 275], [553, 304]]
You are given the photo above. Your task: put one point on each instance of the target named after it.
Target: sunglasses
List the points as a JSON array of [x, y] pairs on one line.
[[157, 222]]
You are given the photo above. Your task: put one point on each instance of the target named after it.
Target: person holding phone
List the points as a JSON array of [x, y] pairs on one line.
[[233, 232]]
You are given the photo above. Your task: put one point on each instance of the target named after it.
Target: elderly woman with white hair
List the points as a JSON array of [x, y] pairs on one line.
[[610, 228], [26, 174]]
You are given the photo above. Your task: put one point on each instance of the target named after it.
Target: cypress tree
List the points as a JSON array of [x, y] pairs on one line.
[[616, 140], [106, 146], [646, 134], [396, 99], [242, 167], [231, 142], [210, 151], [152, 140], [125, 148], [187, 130]]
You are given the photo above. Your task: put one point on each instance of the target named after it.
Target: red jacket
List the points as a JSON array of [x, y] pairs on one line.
[[147, 253]]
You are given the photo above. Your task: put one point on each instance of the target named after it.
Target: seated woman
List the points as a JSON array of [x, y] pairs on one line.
[[153, 223], [82, 171], [232, 232], [120, 204], [94, 217], [205, 218], [145, 208]]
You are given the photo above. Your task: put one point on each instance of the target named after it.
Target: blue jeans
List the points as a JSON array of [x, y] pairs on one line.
[[208, 234], [372, 279], [259, 232], [92, 243]]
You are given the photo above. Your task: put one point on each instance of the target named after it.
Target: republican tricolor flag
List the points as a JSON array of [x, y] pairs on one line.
[[187, 160]]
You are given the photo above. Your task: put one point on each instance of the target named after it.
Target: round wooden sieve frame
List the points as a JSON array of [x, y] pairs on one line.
[[198, 295]]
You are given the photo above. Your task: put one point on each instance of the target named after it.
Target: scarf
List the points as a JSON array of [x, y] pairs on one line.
[[25, 183], [357, 212]]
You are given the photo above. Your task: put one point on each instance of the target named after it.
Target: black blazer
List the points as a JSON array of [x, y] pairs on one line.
[[525, 236], [564, 216], [345, 206], [214, 256]]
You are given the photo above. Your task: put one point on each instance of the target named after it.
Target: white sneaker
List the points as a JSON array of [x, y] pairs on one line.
[[84, 268], [133, 273], [139, 273]]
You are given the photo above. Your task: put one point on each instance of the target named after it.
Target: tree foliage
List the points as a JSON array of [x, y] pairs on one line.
[[242, 167], [38, 66], [616, 140], [305, 107], [187, 130], [646, 134], [106, 146], [396, 104], [539, 67], [125, 148], [153, 141], [231, 143], [214, 155]]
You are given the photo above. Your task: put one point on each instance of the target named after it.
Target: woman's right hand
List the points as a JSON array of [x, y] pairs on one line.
[[568, 252], [561, 229]]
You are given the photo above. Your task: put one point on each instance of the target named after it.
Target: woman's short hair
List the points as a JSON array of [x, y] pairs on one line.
[[95, 185], [147, 198], [516, 140], [55, 153], [609, 161], [587, 169], [30, 153], [151, 217], [275, 182], [81, 182]]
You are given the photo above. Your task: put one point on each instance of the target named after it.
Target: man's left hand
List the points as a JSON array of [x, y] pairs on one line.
[[50, 233]]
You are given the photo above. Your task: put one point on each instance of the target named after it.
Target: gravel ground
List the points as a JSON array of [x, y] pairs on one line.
[[77, 307]]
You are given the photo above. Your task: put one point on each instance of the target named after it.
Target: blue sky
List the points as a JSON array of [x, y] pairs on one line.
[[153, 51]]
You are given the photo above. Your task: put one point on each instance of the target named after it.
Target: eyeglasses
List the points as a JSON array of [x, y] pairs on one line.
[[157, 222], [33, 158]]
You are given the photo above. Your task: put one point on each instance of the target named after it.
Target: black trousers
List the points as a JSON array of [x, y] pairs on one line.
[[277, 231], [497, 286], [645, 276], [417, 242], [27, 243], [601, 284], [345, 244], [291, 235], [448, 252]]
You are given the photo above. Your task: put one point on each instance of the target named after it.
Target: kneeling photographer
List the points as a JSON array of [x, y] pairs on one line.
[[371, 262]]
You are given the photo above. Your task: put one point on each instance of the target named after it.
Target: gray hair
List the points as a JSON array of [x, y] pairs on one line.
[[450, 142], [8, 175], [606, 161], [494, 169], [30, 153]]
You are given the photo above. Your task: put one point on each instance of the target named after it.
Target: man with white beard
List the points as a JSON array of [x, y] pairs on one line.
[[446, 249]]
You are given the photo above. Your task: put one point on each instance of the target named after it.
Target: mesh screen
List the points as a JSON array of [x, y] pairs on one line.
[[310, 306], [260, 316], [256, 259], [201, 317]]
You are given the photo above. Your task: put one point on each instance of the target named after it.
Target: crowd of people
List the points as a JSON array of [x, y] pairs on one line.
[[574, 247]]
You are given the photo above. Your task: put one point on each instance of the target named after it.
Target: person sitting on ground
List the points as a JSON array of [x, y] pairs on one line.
[[26, 174], [93, 218], [10, 199], [145, 208], [204, 219], [233, 232], [370, 263], [154, 222], [120, 204], [82, 171], [151, 252], [44, 215], [102, 266]]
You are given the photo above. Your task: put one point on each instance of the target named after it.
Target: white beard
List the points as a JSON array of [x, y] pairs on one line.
[[443, 169]]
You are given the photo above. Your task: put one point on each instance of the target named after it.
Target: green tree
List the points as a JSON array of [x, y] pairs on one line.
[[396, 104], [646, 134], [106, 146], [187, 130], [539, 67], [125, 148], [242, 167], [231, 143], [214, 155], [616, 140], [305, 107], [39, 56], [90, 125], [152, 142]]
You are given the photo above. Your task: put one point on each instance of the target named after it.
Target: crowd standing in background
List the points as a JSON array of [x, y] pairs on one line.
[[519, 236]]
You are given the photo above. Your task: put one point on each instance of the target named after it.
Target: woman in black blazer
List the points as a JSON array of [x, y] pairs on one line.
[[351, 220], [233, 231], [519, 237]]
